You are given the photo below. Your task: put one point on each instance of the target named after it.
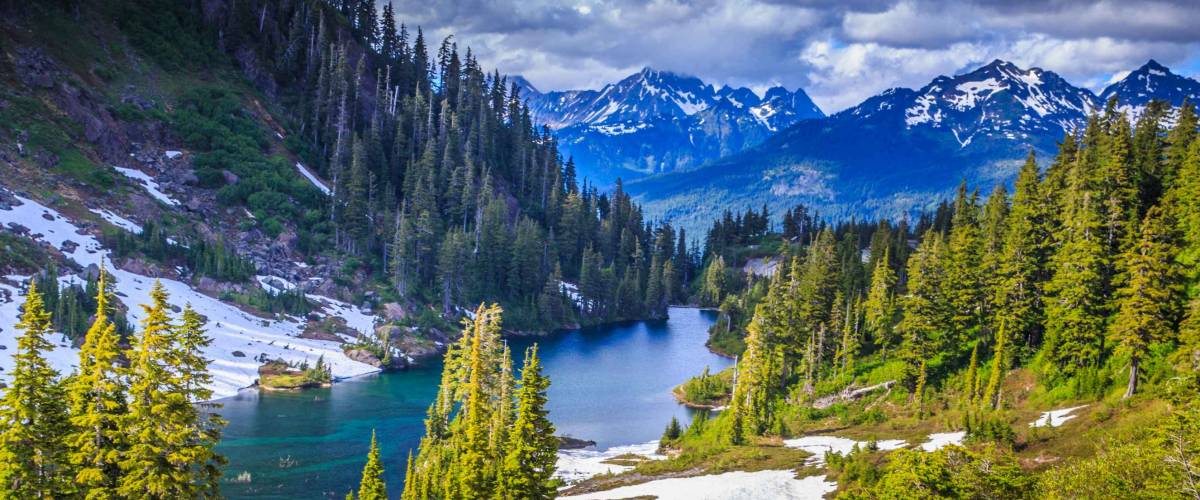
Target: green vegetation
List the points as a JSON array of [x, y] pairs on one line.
[[71, 305], [485, 436], [280, 375], [113, 430], [1077, 288], [200, 257], [706, 390]]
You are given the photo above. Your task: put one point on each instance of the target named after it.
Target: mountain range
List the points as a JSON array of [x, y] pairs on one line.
[[659, 122], [904, 150]]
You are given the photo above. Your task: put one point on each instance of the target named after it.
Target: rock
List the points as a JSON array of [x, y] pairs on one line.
[[47, 216], [393, 311], [92, 272], [69, 246], [363, 356], [3, 347], [570, 443], [230, 177], [34, 68], [238, 354]]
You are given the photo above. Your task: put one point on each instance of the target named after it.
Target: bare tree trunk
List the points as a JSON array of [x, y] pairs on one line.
[[1133, 377]]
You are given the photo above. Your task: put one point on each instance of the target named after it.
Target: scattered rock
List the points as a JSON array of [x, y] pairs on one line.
[[238, 354], [230, 177]]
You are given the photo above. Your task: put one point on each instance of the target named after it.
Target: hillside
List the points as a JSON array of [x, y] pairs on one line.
[[301, 180]]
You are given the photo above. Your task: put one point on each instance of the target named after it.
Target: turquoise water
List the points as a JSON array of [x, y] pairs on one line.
[[609, 384]]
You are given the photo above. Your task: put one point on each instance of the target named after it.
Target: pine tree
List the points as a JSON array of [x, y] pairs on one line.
[[1148, 302], [157, 425], [963, 266], [200, 425], [970, 382], [372, 486], [98, 395], [927, 317], [34, 460], [532, 448], [991, 396], [1022, 267], [880, 308]]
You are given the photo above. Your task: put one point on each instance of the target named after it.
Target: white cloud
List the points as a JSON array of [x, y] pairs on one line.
[[842, 76], [908, 25], [839, 51]]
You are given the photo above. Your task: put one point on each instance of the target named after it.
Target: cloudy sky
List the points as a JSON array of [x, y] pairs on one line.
[[839, 51]]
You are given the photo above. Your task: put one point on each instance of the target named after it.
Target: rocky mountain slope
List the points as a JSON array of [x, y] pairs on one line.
[[658, 121], [904, 150]]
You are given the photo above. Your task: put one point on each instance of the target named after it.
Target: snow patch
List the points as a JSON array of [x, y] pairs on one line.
[[230, 328], [171, 155], [818, 445], [149, 183], [729, 485], [118, 221], [941, 440], [576, 465], [1055, 418]]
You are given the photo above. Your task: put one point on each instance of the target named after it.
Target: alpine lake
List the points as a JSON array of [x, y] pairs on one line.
[[610, 384]]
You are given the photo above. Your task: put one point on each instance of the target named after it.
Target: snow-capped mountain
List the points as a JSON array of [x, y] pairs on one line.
[[658, 121], [904, 149], [998, 100], [1149, 82]]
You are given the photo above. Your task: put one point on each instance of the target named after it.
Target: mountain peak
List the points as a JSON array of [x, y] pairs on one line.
[[1154, 65]]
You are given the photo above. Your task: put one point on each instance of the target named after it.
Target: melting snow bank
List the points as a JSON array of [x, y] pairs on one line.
[[729, 485], [939, 441], [239, 338], [577, 465], [147, 182], [818, 445], [1055, 418]]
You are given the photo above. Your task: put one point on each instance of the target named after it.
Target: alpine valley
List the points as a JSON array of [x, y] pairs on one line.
[[327, 249]]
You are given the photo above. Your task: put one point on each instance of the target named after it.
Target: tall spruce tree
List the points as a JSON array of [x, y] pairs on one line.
[[34, 460], [1148, 302], [372, 486], [532, 450], [98, 395]]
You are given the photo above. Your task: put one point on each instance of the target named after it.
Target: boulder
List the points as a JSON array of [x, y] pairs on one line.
[[230, 177], [393, 311]]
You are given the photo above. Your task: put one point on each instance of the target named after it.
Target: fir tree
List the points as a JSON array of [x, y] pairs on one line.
[[158, 423], [532, 448], [34, 460], [372, 486], [1148, 302], [98, 395], [880, 308]]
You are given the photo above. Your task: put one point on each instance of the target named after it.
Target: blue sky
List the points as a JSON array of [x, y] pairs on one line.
[[839, 51]]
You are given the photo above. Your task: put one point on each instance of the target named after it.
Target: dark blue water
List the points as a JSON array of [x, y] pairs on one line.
[[609, 384]]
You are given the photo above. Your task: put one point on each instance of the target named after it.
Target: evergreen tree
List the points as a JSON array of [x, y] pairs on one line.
[[200, 425], [98, 395], [880, 308], [532, 448], [1022, 267], [34, 460], [1148, 302], [372, 486], [157, 425]]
